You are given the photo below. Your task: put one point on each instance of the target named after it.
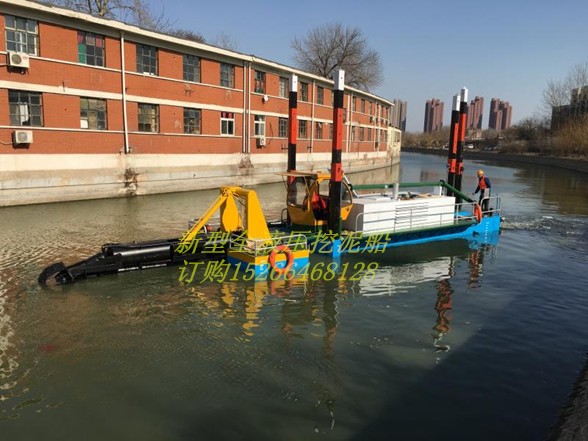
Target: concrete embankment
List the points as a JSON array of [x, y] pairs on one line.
[[573, 421], [567, 163], [40, 178]]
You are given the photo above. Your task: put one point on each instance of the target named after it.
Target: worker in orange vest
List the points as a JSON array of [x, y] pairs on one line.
[[484, 187]]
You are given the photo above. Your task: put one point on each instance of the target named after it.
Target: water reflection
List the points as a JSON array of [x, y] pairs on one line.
[[565, 190], [443, 306]]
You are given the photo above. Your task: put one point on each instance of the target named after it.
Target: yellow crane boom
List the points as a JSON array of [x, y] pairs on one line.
[[255, 226]]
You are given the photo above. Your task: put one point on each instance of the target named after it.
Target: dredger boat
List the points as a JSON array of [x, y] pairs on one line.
[[324, 214]]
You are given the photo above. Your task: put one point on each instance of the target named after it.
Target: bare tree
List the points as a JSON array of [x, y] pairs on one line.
[[186, 34], [331, 46], [559, 92], [225, 41], [135, 12]]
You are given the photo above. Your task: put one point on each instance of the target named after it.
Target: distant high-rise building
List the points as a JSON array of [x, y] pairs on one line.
[[398, 118], [433, 115], [475, 112], [500, 115], [578, 107]]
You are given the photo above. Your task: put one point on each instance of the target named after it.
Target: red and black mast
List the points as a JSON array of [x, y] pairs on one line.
[[453, 136], [463, 115], [292, 125], [336, 169]]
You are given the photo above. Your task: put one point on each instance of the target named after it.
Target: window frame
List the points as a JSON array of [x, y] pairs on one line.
[[284, 85], [303, 91], [259, 82], [83, 41], [318, 130], [227, 121], [259, 126], [230, 74], [362, 105], [196, 126], [93, 110], [154, 117], [191, 71], [20, 104], [31, 37], [152, 65], [302, 129], [282, 127], [320, 95]]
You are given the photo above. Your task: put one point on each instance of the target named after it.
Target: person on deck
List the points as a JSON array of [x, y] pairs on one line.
[[484, 187]]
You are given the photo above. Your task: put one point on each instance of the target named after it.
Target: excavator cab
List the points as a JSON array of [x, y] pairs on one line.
[[308, 200]]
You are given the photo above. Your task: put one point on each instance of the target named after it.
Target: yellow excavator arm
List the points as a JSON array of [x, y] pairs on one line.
[[255, 226]]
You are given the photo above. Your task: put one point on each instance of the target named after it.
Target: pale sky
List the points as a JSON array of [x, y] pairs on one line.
[[503, 49]]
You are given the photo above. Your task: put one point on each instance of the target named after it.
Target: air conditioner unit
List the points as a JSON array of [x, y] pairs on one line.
[[22, 137], [18, 59], [261, 141]]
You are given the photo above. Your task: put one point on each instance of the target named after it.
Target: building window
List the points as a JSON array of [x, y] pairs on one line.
[[259, 82], [259, 125], [92, 114], [330, 130], [192, 121], [352, 133], [369, 134], [149, 118], [283, 127], [22, 35], [302, 129], [353, 104], [26, 108], [90, 49], [362, 106], [191, 68], [370, 107], [303, 91], [227, 123], [227, 75], [361, 133], [284, 87], [320, 95], [318, 130], [146, 59]]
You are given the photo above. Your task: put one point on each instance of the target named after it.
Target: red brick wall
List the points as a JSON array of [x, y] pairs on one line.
[[58, 82]]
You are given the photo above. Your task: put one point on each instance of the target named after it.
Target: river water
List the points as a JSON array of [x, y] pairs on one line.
[[444, 342]]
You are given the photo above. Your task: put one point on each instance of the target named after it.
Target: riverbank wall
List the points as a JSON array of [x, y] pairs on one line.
[[32, 179], [566, 163]]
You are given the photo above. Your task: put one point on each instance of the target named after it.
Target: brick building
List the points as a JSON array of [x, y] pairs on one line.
[[99, 108], [500, 115], [433, 115]]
